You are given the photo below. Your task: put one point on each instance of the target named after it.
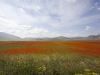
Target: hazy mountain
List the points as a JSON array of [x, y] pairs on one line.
[[8, 37], [94, 37], [33, 39], [47, 39], [77, 38], [91, 37], [59, 38]]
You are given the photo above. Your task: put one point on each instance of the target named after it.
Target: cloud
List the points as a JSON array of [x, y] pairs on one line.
[[24, 32], [13, 31], [30, 16], [1, 29], [96, 3], [34, 12], [38, 31], [69, 35], [99, 8], [95, 7], [56, 13], [87, 27], [74, 35], [85, 20], [18, 15], [54, 34], [18, 22], [71, 31], [8, 23], [26, 27], [66, 10], [92, 7], [71, 0]]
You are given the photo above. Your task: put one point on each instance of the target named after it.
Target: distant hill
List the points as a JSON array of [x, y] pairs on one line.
[[33, 39], [59, 38], [94, 37], [77, 38], [47, 39], [8, 37]]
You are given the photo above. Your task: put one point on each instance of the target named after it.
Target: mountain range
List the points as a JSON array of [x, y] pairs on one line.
[[9, 37]]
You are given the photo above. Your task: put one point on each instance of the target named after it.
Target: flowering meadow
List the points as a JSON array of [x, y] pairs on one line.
[[50, 58]]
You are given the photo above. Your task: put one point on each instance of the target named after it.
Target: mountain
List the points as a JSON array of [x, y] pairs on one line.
[[8, 37], [59, 38], [77, 38], [47, 39], [36, 39], [94, 37]]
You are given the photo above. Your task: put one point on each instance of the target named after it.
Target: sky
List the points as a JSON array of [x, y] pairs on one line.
[[50, 18]]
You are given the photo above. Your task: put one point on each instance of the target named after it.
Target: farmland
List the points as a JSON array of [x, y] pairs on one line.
[[50, 58]]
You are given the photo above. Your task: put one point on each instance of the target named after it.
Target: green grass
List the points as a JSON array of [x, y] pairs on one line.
[[67, 63], [49, 64], [9, 47]]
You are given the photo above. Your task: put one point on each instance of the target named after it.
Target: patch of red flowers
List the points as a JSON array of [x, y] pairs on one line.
[[82, 47]]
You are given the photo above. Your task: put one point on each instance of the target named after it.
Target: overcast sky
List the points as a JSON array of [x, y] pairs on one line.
[[50, 18]]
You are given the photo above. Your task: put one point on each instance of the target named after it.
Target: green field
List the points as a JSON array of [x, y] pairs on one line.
[[64, 63]]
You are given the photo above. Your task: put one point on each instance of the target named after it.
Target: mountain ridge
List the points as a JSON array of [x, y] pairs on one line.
[[9, 37]]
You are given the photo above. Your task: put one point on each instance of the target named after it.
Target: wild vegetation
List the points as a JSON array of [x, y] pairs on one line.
[[50, 58]]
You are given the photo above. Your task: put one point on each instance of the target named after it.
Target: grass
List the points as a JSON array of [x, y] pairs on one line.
[[50, 58], [9, 47], [49, 64]]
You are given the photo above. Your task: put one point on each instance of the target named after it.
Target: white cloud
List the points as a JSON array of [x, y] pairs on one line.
[[67, 11], [54, 34], [71, 31], [38, 31], [77, 34], [96, 3], [74, 35], [92, 7], [87, 27], [16, 14], [69, 35], [8, 23], [26, 27], [71, 0], [72, 13], [13, 31], [82, 31], [17, 22], [22, 10], [96, 6], [24, 32], [1, 29], [99, 8], [23, 18], [85, 20]]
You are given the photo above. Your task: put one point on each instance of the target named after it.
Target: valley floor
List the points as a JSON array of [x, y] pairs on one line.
[[50, 58]]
